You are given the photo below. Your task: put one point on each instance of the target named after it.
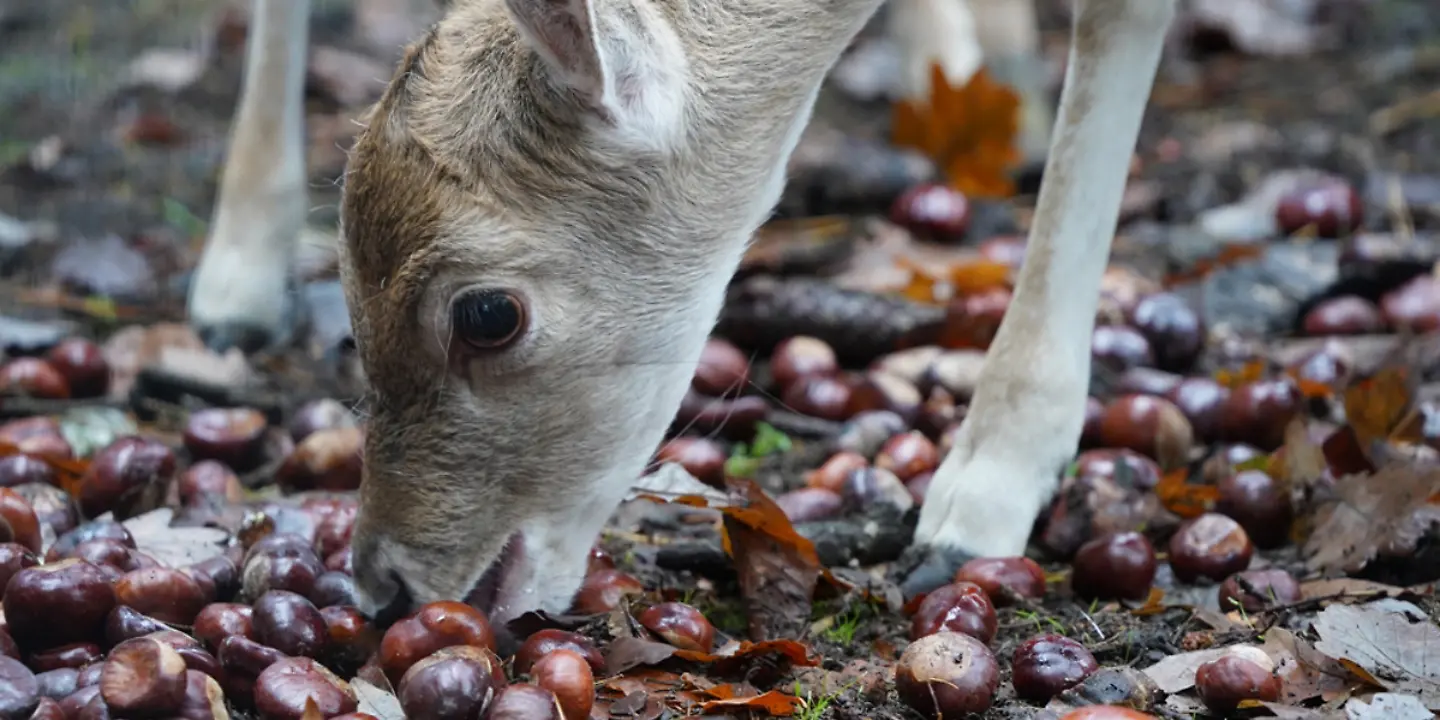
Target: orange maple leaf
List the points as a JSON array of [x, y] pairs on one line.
[[969, 132]]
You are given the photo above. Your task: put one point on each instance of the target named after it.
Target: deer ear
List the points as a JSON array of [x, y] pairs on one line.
[[564, 33]]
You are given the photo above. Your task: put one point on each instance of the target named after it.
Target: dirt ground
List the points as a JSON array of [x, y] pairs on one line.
[[1365, 108]]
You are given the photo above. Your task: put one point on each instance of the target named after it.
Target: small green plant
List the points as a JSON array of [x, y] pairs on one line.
[[846, 624], [745, 460], [178, 216], [812, 708]]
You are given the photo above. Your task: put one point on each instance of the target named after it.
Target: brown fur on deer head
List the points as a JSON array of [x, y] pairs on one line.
[[539, 223]]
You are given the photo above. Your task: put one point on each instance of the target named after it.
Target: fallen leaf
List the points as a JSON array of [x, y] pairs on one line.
[[1370, 513], [1343, 588], [1305, 673], [1244, 375], [628, 652], [969, 131], [1387, 706], [1176, 673], [778, 568], [1184, 498], [174, 546], [377, 701], [774, 703], [1401, 655], [1381, 407]]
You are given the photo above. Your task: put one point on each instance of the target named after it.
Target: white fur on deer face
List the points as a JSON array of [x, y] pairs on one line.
[[539, 225]]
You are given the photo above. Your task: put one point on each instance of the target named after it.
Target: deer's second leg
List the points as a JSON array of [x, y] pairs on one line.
[[241, 294], [1025, 420]]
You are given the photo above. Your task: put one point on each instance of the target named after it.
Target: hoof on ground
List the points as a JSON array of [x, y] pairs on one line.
[[922, 568]]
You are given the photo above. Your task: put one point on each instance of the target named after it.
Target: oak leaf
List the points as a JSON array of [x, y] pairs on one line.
[[969, 131]]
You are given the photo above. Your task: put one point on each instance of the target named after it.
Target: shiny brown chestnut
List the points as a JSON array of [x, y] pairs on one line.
[[958, 607], [1210, 546], [680, 625], [1114, 566], [83, 366], [947, 674], [1005, 580], [1045, 666], [434, 626]]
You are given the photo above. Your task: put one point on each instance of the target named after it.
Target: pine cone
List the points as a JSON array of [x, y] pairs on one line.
[[762, 311]]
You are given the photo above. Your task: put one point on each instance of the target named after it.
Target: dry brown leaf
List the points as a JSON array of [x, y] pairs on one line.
[[778, 568], [774, 702], [1305, 672], [1394, 652], [1184, 498], [969, 131], [1369, 513], [1381, 407]]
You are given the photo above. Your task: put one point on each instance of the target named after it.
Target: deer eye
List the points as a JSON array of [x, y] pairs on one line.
[[488, 319]]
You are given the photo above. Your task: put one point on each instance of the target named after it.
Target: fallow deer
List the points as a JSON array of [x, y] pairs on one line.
[[241, 294], [538, 225]]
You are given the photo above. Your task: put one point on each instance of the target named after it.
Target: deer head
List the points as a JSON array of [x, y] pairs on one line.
[[539, 223]]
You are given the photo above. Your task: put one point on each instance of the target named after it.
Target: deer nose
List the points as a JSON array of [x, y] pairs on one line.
[[399, 605]]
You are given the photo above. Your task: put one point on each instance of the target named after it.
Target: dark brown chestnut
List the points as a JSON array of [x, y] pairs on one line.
[[1047, 665], [961, 607], [73, 656], [1210, 546], [723, 370], [1005, 580], [932, 211], [801, 357], [702, 457], [33, 377], [542, 642], [680, 625], [1173, 328], [1414, 306], [57, 604], [808, 504], [128, 477], [83, 365], [1330, 206], [947, 674], [1225, 681], [821, 396], [22, 469], [1114, 566], [1119, 348], [907, 455], [1257, 413], [167, 595], [604, 590], [1201, 400], [143, 676], [328, 459], [322, 414], [524, 702], [285, 688], [1344, 315], [876, 390], [1256, 590], [18, 523], [234, 436], [832, 473], [568, 675], [1260, 504], [454, 683], [289, 623], [19, 690], [1149, 425], [436, 625]]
